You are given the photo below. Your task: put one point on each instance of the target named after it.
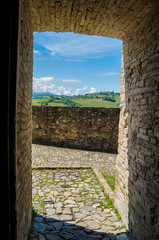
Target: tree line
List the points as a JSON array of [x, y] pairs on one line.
[[65, 100]]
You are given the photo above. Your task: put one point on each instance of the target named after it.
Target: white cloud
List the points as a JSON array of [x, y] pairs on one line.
[[63, 90], [51, 86], [43, 84], [79, 90], [107, 74], [92, 90], [36, 51], [74, 60], [44, 79], [67, 92], [84, 88], [71, 80]]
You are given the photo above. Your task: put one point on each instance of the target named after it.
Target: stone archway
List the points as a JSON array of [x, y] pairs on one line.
[[136, 23]]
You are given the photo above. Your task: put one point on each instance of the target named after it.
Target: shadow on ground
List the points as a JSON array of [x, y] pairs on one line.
[[45, 228]]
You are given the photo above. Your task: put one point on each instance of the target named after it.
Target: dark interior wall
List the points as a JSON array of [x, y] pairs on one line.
[[8, 128], [16, 118]]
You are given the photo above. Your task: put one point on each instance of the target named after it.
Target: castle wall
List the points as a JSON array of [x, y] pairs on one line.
[[23, 122], [75, 127], [137, 175], [137, 169]]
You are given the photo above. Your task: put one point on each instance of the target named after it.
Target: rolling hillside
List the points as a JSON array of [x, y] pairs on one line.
[[101, 99]]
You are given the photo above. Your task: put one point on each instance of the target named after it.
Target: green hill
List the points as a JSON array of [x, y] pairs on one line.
[[101, 99]]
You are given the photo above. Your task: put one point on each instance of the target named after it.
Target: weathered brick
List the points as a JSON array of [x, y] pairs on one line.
[[142, 131], [84, 128], [136, 23]]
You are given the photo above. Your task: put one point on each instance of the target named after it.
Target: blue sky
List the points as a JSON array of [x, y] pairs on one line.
[[68, 63]]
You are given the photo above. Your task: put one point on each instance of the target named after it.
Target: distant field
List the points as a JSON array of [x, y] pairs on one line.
[[38, 103], [84, 103], [102, 99], [95, 103]]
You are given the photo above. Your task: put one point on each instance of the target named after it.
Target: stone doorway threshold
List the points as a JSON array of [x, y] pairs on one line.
[[73, 203]]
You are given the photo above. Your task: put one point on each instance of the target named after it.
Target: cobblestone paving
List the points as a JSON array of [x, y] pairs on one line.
[[71, 204], [64, 157]]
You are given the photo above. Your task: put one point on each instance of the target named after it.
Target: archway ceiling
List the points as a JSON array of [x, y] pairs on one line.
[[111, 18]]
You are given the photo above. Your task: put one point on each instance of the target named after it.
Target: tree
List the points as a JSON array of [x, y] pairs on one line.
[[111, 99], [44, 103], [51, 98]]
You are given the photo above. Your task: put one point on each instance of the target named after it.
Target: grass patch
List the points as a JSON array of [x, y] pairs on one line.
[[34, 212], [58, 170], [110, 180], [108, 203], [83, 178], [117, 213], [83, 102], [121, 227], [95, 103]]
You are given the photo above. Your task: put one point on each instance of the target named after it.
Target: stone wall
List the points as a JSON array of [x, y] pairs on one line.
[[74, 127], [101, 18], [137, 176], [23, 123], [137, 170]]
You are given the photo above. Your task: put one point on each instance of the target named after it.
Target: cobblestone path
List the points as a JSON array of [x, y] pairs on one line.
[[71, 204], [50, 156]]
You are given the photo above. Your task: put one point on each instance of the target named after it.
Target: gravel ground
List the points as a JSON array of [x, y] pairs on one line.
[[50, 156]]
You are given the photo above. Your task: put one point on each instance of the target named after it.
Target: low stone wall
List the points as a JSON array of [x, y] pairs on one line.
[[74, 127]]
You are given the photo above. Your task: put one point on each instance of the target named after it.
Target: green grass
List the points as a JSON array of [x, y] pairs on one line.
[[39, 101], [95, 103], [58, 170], [83, 102], [110, 180], [57, 104], [117, 213]]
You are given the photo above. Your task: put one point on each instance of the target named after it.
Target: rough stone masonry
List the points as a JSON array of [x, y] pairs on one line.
[[75, 127], [136, 22]]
